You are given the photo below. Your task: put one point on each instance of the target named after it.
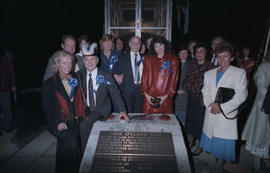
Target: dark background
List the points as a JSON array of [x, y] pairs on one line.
[[32, 30]]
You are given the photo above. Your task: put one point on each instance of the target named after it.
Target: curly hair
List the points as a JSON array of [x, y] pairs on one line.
[[161, 40]]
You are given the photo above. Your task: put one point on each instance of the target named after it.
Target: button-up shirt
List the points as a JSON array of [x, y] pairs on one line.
[[132, 57]]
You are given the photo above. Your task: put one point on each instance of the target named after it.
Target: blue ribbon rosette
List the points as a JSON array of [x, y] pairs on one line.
[[140, 61], [166, 65], [113, 60], [73, 82], [101, 79]]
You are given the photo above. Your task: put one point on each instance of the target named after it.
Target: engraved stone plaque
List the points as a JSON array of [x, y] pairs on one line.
[[140, 152]]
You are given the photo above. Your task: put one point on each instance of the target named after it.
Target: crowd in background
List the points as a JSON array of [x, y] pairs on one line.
[[150, 79]]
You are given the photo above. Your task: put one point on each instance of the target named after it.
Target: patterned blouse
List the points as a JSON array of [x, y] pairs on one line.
[[193, 82]]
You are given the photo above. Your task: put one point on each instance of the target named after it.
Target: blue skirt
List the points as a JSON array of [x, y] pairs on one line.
[[223, 149], [181, 116]]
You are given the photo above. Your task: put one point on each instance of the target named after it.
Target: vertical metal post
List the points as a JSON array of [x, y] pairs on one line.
[[107, 17], [138, 18], [267, 38], [169, 20]]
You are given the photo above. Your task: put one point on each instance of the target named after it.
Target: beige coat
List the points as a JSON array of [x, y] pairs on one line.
[[217, 125]]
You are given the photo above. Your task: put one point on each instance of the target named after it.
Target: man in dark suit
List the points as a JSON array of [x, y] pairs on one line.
[[215, 41], [132, 67], [98, 87]]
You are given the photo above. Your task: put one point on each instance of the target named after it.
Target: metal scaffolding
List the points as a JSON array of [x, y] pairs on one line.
[[124, 17]]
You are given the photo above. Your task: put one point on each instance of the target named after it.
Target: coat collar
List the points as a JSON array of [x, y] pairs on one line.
[[226, 73], [59, 87]]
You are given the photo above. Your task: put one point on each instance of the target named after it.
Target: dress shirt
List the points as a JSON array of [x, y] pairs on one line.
[[132, 56], [214, 60]]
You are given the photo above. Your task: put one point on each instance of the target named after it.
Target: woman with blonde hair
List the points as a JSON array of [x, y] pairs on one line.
[[63, 106]]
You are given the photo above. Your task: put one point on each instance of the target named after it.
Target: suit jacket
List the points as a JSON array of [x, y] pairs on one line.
[[217, 125], [48, 71], [103, 94], [50, 103], [128, 81]]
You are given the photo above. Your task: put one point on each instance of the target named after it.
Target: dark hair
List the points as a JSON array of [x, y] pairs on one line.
[[161, 40], [83, 37], [192, 41], [145, 47], [185, 47], [200, 44], [245, 46], [68, 36], [118, 38], [218, 37], [224, 47]]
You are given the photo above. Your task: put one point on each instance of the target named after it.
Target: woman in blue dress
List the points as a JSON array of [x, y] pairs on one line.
[[219, 133]]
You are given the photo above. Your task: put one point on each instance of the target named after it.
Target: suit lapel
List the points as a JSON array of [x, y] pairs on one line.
[[84, 85], [100, 85], [224, 77], [59, 87]]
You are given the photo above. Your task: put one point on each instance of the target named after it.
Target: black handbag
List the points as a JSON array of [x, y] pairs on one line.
[[155, 103], [266, 102], [224, 95]]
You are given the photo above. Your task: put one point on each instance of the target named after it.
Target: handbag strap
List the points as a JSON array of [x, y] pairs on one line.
[[228, 113]]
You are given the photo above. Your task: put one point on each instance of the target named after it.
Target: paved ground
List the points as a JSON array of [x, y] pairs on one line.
[[35, 153]]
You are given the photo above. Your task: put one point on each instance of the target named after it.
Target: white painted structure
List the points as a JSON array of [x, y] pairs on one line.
[[124, 17]]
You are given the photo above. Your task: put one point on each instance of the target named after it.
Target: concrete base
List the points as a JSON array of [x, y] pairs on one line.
[[147, 125]]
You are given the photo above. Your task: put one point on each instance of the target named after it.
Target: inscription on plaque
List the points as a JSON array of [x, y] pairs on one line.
[[138, 152]]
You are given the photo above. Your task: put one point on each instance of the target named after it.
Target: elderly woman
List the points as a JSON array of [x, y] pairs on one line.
[[220, 122], [159, 79], [257, 128], [180, 102], [193, 84], [63, 107]]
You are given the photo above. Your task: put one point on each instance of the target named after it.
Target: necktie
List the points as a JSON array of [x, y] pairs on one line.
[[91, 93], [137, 69]]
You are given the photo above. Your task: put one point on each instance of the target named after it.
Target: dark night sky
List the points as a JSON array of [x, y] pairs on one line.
[[32, 30]]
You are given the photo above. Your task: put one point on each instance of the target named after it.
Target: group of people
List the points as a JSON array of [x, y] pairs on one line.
[[80, 89]]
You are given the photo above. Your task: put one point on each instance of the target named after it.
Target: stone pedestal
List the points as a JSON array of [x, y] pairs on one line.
[[153, 142]]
